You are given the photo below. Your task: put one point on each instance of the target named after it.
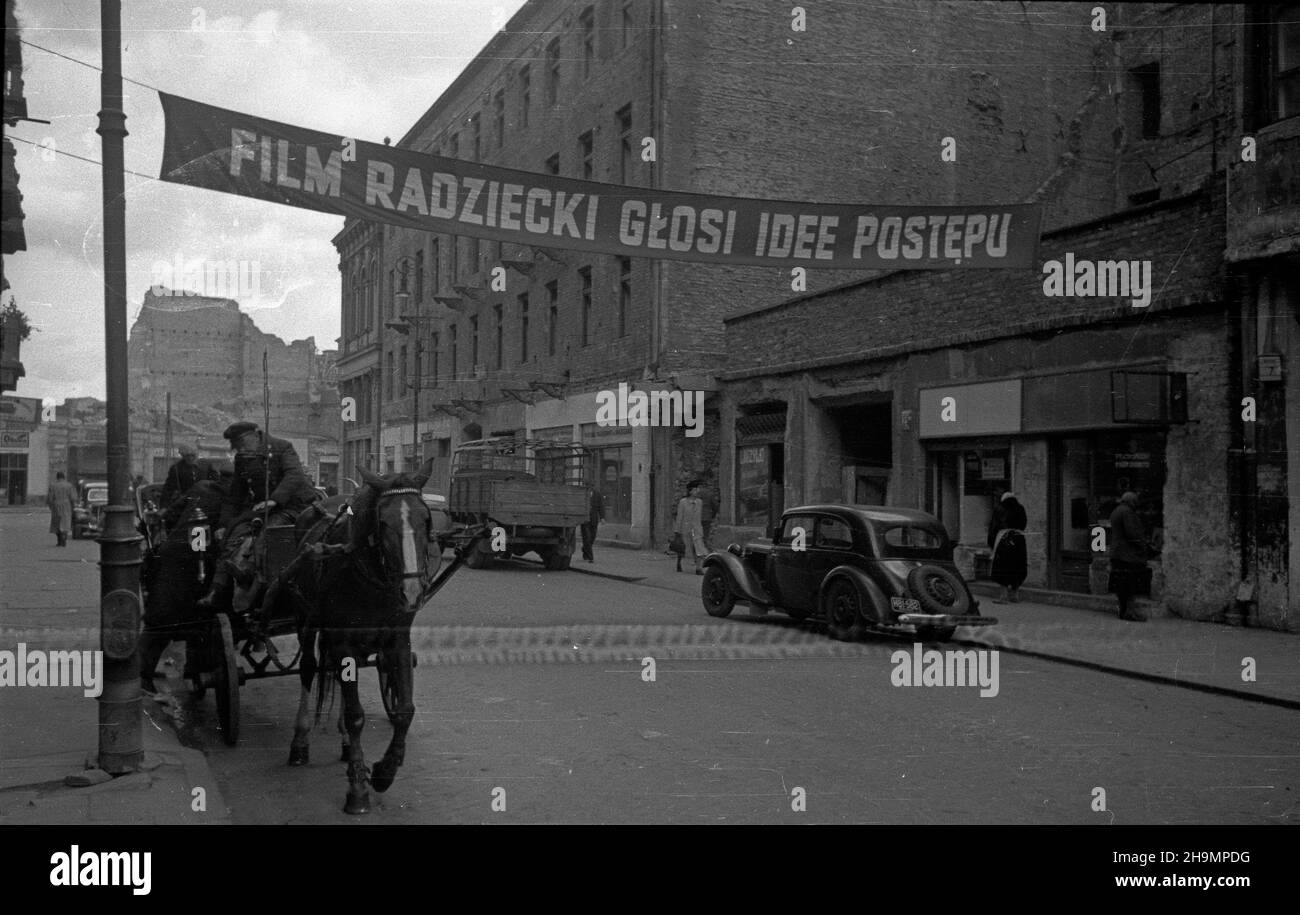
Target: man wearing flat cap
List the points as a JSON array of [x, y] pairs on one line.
[[184, 474], [269, 480]]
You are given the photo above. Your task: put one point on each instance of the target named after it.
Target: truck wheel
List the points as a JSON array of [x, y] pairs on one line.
[[556, 561], [716, 593]]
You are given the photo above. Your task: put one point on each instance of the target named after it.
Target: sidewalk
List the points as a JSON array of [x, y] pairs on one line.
[[1165, 649], [49, 601], [33, 788]]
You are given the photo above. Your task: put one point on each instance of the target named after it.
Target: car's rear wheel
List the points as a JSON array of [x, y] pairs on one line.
[[716, 593], [938, 590], [845, 619]]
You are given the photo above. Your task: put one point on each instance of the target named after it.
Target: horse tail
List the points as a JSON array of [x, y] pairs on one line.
[[326, 684]]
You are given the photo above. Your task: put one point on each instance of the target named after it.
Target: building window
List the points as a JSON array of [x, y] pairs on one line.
[[553, 165], [587, 23], [497, 312], [1284, 62], [585, 276], [419, 276], [624, 293], [388, 377], [476, 131], [473, 343], [499, 106], [627, 23], [625, 159], [435, 343], [525, 94], [451, 333], [523, 328], [434, 265], [1146, 86], [586, 153], [553, 72], [404, 376], [552, 316], [455, 259], [390, 301]]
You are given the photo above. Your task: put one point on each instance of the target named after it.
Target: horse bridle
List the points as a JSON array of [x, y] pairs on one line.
[[428, 528]]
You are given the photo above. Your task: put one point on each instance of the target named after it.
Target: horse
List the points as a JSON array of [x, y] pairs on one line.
[[357, 582]]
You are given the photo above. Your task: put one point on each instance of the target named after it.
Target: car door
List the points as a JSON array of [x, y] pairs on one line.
[[788, 565], [832, 545]]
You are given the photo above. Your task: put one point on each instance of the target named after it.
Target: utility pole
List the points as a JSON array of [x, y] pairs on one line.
[[120, 738]]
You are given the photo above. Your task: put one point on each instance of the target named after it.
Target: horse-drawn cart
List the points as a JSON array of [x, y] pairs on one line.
[[226, 649]]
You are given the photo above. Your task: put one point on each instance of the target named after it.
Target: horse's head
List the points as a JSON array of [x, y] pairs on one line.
[[390, 512]]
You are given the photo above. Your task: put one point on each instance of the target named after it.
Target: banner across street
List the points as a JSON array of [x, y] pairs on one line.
[[223, 150]]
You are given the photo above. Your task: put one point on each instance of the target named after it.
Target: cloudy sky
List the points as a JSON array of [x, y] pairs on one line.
[[366, 68]]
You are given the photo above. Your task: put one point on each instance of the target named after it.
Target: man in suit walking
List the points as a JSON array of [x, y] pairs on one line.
[[691, 526], [62, 498]]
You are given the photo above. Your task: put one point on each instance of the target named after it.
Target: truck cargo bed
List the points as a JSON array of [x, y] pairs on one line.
[[518, 501]]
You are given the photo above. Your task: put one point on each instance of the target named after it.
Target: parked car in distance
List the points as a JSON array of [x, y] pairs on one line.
[[87, 514], [860, 568]]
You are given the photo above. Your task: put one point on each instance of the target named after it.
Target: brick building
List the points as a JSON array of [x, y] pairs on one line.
[[207, 354], [935, 390], [853, 108]]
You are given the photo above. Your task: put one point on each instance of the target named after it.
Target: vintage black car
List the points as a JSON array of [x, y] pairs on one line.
[[860, 568]]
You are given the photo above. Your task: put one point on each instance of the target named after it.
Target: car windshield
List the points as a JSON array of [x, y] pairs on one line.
[[911, 541]]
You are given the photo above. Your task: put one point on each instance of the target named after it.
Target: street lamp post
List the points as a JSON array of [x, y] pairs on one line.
[[404, 326]]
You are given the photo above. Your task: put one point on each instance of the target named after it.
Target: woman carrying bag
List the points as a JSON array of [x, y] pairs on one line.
[[1007, 539]]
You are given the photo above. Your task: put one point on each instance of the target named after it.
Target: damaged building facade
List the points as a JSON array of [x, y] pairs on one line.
[[942, 390]]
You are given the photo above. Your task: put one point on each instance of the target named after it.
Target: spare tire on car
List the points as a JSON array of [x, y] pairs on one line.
[[938, 590]]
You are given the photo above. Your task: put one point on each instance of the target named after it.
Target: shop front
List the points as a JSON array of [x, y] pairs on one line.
[[609, 468], [1068, 445]]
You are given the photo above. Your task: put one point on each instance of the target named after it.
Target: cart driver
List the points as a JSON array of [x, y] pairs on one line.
[[262, 464]]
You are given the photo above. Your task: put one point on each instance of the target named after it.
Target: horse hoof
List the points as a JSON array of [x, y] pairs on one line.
[[381, 777], [359, 803], [298, 756]]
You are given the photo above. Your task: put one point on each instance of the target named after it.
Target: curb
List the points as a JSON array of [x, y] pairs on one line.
[[1162, 679]]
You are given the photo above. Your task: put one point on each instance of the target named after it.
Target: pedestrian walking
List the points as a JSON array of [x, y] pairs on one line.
[[1128, 555], [596, 514], [691, 526], [710, 504], [1007, 540], [61, 498]]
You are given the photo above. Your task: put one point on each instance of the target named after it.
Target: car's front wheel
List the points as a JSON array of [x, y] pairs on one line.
[[716, 593], [845, 619]]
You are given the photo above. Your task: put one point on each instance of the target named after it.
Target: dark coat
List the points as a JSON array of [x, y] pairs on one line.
[[597, 508], [290, 488], [1127, 536], [182, 476], [1010, 555]]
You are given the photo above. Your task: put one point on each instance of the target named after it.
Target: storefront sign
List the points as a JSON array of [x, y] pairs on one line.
[[955, 410], [1138, 460], [15, 439], [223, 150], [993, 469]]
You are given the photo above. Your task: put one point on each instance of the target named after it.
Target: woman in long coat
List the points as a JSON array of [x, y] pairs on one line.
[[61, 498], [691, 526], [1007, 539]]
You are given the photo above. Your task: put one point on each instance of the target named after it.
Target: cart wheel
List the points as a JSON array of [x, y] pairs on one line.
[[226, 684]]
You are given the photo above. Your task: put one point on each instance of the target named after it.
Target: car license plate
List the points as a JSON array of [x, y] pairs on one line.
[[905, 605]]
